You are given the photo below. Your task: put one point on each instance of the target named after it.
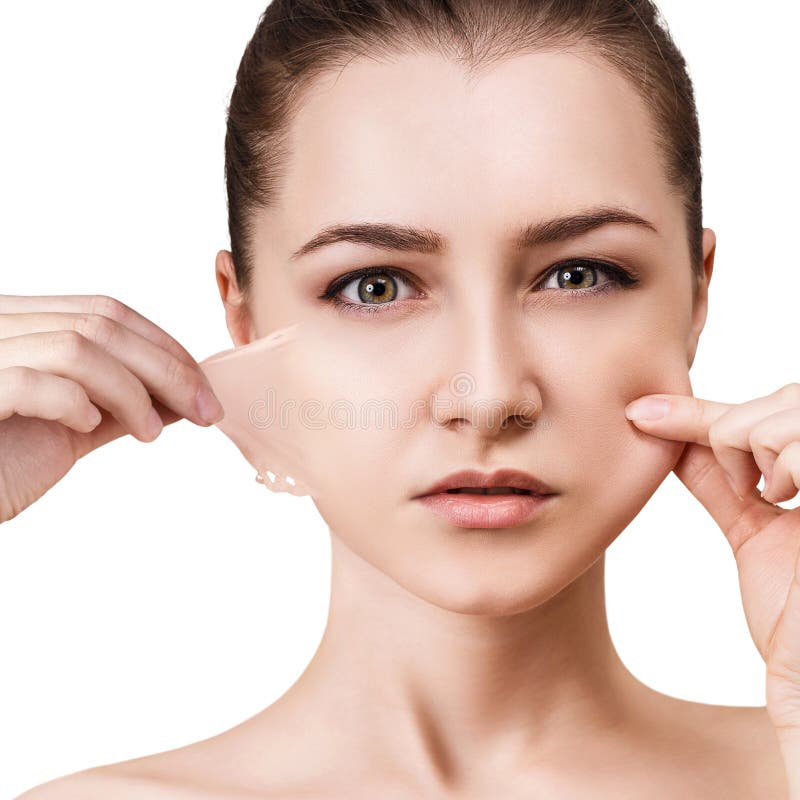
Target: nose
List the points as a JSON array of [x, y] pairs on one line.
[[487, 382]]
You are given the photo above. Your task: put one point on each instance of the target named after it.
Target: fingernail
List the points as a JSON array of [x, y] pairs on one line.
[[647, 408], [208, 407]]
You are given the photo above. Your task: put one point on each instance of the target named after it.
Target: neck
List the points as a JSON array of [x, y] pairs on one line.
[[443, 695]]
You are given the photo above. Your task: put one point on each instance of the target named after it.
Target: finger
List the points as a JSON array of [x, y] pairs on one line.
[[32, 393], [724, 427], [111, 428], [772, 435], [96, 304], [166, 377], [730, 443], [105, 379], [695, 420], [732, 435], [785, 480], [738, 518], [686, 418]]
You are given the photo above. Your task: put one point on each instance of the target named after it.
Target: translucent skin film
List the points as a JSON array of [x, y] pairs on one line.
[[254, 384]]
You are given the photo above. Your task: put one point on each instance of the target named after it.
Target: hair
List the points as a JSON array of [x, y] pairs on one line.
[[297, 41]]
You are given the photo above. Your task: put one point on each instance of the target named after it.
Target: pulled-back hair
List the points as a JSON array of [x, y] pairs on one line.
[[297, 41]]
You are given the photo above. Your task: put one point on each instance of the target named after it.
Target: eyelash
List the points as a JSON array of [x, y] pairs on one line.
[[620, 279]]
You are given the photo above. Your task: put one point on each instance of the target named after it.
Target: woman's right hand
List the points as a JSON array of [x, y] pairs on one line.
[[62, 357]]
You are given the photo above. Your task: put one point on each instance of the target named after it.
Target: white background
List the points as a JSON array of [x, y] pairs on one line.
[[158, 595]]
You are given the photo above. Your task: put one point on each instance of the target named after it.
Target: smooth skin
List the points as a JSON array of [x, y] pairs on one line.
[[459, 664]]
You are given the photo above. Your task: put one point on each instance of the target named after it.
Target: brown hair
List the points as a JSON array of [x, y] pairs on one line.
[[296, 41]]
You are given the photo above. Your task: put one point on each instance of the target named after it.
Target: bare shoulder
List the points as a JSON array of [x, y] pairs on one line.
[[197, 771], [100, 783], [231, 765], [179, 774]]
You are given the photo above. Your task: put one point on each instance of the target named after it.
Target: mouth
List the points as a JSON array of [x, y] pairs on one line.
[[502, 481], [475, 499], [473, 508]]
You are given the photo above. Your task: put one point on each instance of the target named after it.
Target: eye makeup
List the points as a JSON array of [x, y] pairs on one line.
[[619, 278]]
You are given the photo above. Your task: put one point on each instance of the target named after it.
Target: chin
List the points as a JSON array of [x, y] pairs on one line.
[[476, 583], [483, 600]]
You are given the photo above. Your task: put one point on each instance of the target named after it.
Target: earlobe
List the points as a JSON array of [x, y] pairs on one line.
[[237, 315]]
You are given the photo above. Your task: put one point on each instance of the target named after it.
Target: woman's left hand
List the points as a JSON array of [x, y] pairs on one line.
[[729, 447]]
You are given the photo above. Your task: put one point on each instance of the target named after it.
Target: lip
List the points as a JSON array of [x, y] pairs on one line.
[[486, 511], [475, 479]]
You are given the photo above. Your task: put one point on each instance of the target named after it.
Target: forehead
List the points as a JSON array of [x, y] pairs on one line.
[[414, 140]]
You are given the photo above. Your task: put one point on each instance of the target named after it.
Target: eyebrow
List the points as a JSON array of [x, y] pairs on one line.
[[389, 236]]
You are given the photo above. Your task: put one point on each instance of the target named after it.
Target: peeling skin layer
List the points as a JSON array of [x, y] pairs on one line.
[[254, 384]]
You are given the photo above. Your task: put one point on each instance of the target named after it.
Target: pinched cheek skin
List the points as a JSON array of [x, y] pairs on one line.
[[601, 455], [656, 369]]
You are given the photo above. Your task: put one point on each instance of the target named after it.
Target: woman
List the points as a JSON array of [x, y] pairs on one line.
[[535, 172]]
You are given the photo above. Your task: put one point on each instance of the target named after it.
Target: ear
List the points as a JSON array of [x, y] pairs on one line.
[[700, 308], [237, 313]]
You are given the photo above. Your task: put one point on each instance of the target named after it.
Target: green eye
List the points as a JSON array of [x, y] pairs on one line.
[[376, 288], [579, 276]]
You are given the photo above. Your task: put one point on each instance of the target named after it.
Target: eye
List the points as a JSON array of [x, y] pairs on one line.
[[372, 288], [376, 289], [579, 276]]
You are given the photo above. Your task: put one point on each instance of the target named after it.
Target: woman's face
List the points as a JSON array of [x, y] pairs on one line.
[[466, 336]]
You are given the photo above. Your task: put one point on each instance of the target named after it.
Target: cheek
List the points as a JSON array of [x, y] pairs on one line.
[[618, 466], [365, 390]]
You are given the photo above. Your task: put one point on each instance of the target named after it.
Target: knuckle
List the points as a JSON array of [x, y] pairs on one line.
[[74, 393], [721, 429], [107, 306], [96, 327], [716, 434], [142, 403], [71, 344], [790, 455], [790, 393], [763, 436], [19, 378], [176, 372]]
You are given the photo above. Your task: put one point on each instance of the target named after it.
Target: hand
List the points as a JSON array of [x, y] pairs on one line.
[[729, 447], [63, 356]]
